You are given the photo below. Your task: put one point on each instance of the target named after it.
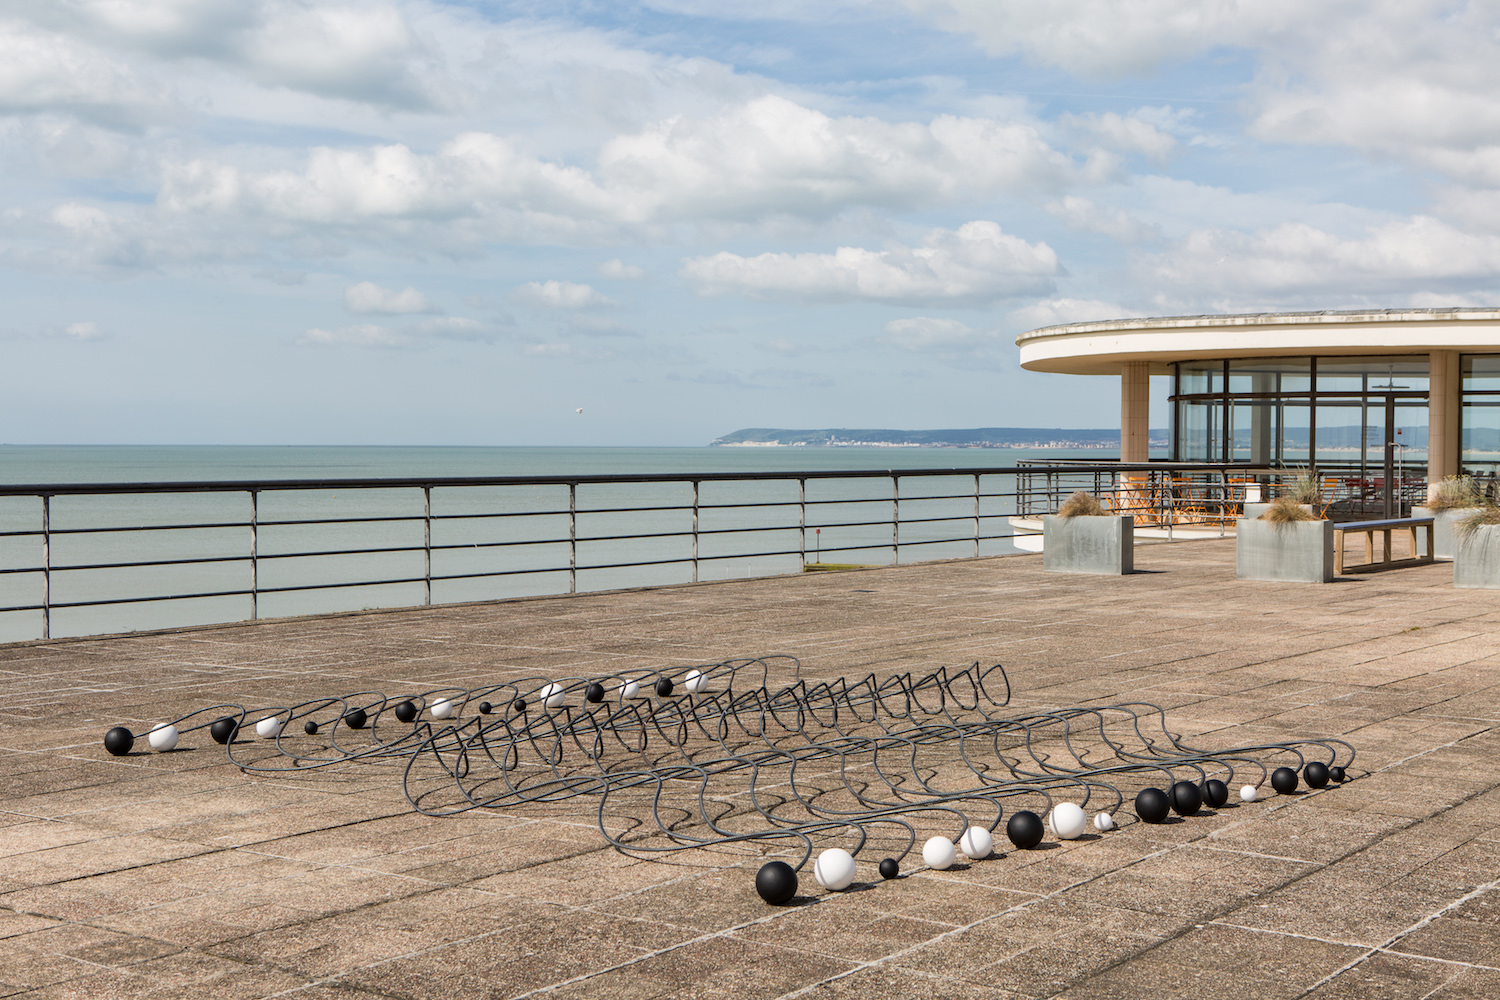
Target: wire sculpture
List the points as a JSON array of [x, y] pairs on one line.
[[717, 754]]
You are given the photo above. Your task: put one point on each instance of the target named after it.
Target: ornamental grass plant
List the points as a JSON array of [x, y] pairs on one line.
[[1082, 504], [1286, 509], [1468, 525], [1305, 487], [1455, 493]]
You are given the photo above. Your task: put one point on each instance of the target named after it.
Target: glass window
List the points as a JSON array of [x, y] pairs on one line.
[[1277, 375], [1340, 437], [1481, 435], [1296, 431], [1359, 375], [1254, 432], [1194, 377], [1198, 424], [1481, 371]]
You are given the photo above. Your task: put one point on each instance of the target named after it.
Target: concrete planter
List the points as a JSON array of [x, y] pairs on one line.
[[1100, 545], [1254, 510], [1291, 552], [1443, 539], [1476, 559]]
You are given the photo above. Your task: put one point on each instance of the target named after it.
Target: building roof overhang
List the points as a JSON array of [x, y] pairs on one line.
[[1101, 347]]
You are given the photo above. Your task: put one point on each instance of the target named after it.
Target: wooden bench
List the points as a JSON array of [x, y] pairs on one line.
[[1385, 527]]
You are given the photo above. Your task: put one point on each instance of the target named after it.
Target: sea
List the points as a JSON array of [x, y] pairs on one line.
[[520, 531]]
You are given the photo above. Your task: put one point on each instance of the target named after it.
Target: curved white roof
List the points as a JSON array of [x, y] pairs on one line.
[[1099, 348]]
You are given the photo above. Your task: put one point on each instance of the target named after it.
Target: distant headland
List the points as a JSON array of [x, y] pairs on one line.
[[976, 437]]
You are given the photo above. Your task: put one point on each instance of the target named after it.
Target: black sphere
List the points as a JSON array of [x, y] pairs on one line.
[[1152, 805], [519, 704], [485, 708], [224, 729], [1284, 780], [889, 868], [356, 719], [1186, 798], [406, 711], [118, 741], [594, 692], [664, 687], [1025, 829], [1336, 773], [776, 882], [1315, 774], [1215, 793], [310, 728]]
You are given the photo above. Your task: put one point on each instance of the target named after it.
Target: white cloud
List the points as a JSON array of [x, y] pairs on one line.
[[936, 334], [618, 270], [1108, 38], [359, 335], [1279, 263], [762, 160], [1083, 215], [559, 295], [81, 331], [368, 297], [1051, 312], [42, 71], [361, 52], [975, 264], [1124, 133]]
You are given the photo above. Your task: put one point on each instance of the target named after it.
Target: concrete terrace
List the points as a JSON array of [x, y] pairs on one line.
[[176, 875]]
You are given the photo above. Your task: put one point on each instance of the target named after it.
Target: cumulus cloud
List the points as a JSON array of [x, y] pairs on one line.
[[361, 52], [83, 330], [1416, 255], [765, 159], [1124, 133], [1052, 312], [41, 71], [1108, 38], [975, 264], [358, 335], [559, 295], [1083, 215], [928, 333], [368, 297], [618, 270]]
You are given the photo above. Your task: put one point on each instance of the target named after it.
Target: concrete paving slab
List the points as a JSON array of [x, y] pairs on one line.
[[179, 875]]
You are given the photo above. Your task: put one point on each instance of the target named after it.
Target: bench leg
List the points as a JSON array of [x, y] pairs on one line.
[[1385, 540], [1369, 546], [1338, 553]]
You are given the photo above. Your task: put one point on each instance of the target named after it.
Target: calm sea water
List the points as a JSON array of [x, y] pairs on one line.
[[508, 541]]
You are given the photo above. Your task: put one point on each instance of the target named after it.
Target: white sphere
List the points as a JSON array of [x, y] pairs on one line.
[[442, 708], [630, 689], [1104, 822], [976, 843], [552, 696], [1067, 821], [939, 853], [834, 868], [162, 738], [696, 681], [268, 728], [1249, 794]]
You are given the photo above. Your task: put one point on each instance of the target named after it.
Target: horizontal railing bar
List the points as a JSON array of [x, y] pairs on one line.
[[439, 482]]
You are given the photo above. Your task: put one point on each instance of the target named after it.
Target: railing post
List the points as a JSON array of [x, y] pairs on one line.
[[976, 515], [427, 544], [695, 531], [895, 520], [46, 566], [254, 554], [572, 538], [802, 522]]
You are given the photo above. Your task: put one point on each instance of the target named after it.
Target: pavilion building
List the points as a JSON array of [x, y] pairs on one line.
[[1374, 394]]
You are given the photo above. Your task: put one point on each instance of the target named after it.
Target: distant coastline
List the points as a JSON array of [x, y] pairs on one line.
[[977, 437]]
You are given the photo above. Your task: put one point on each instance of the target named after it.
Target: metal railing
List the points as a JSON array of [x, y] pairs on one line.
[[118, 545]]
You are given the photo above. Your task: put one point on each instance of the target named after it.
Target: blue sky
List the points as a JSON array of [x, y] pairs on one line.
[[282, 221]]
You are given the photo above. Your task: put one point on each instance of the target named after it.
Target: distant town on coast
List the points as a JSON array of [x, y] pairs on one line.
[[976, 437]]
